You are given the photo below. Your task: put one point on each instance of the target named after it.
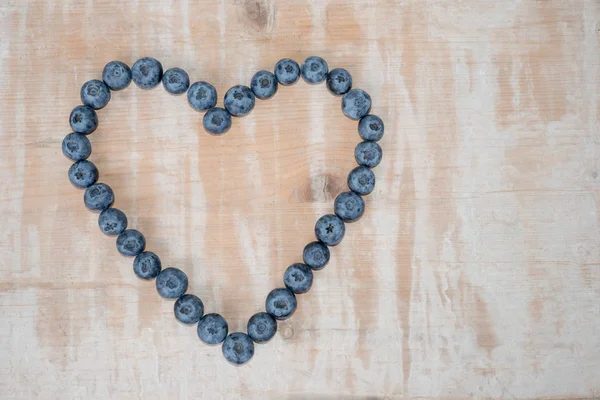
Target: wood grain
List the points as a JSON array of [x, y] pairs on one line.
[[475, 271]]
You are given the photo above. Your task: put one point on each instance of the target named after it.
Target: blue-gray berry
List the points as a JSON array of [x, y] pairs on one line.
[[147, 265], [356, 104], [212, 329], [131, 242], [262, 327], [238, 348], [330, 229], [98, 197], [368, 154], [361, 180], [176, 80], [95, 94], [83, 174], [339, 81], [217, 121], [116, 75], [298, 278], [147, 72], [314, 70], [76, 146], [281, 303], [112, 221], [287, 71], [264, 84], [316, 255], [171, 283], [83, 119], [371, 128], [202, 96], [349, 206], [188, 309], [239, 100]]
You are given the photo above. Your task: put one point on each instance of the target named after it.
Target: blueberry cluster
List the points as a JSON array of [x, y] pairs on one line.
[[172, 283]]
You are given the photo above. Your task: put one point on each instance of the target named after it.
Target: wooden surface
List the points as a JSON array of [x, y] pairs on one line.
[[475, 271]]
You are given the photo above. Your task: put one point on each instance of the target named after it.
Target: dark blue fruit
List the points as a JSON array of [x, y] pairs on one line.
[[262, 327], [349, 206], [95, 94], [176, 81], [316, 255], [83, 119], [131, 243], [339, 81], [370, 127], [147, 265], [212, 329], [330, 229], [238, 348], [116, 75], [314, 70], [287, 71], [281, 303], [298, 278], [188, 309], [217, 121], [83, 174], [76, 146], [239, 100], [171, 283], [361, 180], [147, 72], [264, 85], [202, 96], [98, 197], [368, 154], [112, 221], [356, 104]]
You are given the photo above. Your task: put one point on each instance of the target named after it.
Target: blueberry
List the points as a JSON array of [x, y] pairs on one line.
[[188, 309], [202, 96], [281, 303], [262, 327], [316, 255], [330, 229], [368, 154], [112, 221], [146, 265], [371, 128], [287, 71], [314, 70], [349, 206], [83, 119], [95, 94], [217, 121], [238, 348], [131, 242], [361, 180], [264, 85], [98, 197], [339, 81], [116, 75], [298, 278], [212, 329], [76, 146], [239, 100], [147, 72], [171, 283], [356, 104], [176, 81], [83, 174]]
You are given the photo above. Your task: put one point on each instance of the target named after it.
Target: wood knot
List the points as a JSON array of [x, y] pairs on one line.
[[259, 15], [319, 188]]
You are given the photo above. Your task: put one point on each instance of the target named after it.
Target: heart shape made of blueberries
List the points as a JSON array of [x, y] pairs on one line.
[[172, 283]]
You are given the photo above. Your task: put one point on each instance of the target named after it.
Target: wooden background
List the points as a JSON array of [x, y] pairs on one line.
[[475, 271]]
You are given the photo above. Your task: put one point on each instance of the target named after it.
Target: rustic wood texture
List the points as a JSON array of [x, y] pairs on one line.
[[475, 271]]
